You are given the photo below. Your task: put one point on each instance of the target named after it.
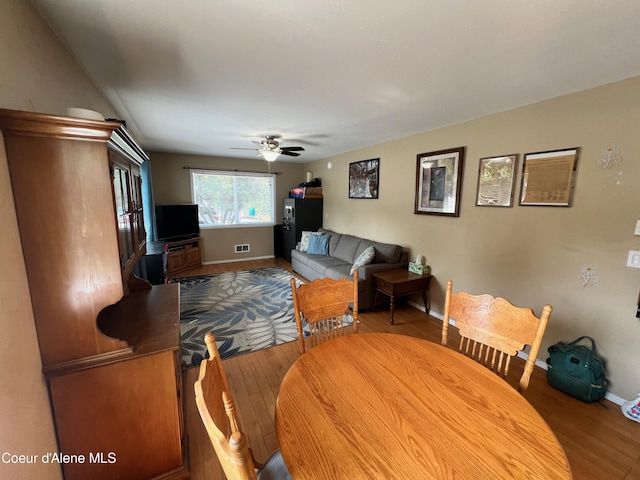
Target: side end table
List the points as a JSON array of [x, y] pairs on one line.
[[398, 283]]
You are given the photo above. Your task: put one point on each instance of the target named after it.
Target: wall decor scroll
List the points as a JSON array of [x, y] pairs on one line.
[[496, 181], [588, 273], [364, 178], [438, 182], [609, 156], [548, 178]]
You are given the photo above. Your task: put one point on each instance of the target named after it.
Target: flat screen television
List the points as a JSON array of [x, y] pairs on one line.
[[177, 222]]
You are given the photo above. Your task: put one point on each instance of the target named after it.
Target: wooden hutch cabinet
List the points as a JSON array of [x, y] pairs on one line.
[[109, 342]]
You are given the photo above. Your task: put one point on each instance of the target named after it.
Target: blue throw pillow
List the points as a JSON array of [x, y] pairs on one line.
[[319, 244]]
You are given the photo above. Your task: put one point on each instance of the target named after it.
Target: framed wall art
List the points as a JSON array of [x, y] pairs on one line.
[[364, 178], [496, 181], [548, 178], [438, 182]]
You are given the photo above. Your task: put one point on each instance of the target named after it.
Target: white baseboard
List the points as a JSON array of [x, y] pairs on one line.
[[539, 363], [234, 260]]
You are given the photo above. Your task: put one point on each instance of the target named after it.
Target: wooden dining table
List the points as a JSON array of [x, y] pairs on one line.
[[386, 406]]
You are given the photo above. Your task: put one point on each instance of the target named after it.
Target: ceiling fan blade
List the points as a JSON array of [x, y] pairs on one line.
[[292, 149], [241, 148], [291, 154]]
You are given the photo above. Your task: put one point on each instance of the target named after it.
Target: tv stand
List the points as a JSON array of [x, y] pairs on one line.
[[183, 255]]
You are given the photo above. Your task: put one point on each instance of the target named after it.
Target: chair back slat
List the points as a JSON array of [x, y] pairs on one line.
[[322, 305], [497, 327]]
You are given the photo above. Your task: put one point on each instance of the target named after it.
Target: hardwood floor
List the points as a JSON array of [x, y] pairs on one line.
[[600, 443]]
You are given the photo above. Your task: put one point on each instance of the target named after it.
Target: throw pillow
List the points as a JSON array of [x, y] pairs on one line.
[[363, 259], [304, 241], [319, 244]]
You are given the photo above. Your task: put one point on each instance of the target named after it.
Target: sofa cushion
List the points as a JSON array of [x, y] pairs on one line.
[[365, 257], [347, 248], [319, 244], [301, 257], [385, 252], [339, 271], [334, 238], [320, 264]]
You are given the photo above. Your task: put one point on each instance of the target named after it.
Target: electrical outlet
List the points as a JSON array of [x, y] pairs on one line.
[[633, 260], [637, 230]]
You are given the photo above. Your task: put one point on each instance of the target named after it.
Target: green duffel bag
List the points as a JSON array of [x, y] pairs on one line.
[[577, 370]]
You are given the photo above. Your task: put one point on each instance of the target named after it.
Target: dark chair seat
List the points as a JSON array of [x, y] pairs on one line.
[[274, 468]]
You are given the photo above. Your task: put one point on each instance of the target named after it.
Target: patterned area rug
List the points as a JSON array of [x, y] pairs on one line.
[[246, 310]]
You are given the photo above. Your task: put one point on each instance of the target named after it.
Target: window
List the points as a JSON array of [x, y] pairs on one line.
[[233, 198]]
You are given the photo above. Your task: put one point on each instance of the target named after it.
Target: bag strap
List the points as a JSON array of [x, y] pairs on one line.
[[585, 337]]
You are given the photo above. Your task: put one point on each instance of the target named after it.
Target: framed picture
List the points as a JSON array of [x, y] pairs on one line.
[[548, 178], [438, 182], [496, 181], [364, 178]]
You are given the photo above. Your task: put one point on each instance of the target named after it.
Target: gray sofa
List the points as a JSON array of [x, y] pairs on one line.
[[343, 250]]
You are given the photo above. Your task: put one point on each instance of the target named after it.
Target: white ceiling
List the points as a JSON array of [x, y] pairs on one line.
[[201, 76]]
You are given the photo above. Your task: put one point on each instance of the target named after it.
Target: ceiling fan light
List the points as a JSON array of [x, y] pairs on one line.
[[270, 155]]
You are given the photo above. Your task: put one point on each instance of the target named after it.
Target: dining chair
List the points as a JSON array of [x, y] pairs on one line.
[[322, 305], [492, 330], [217, 410]]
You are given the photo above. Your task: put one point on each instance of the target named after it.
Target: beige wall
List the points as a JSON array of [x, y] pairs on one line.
[[530, 255], [171, 184], [37, 74]]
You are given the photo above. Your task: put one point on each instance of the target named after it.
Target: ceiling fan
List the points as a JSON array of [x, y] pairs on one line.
[[270, 148]]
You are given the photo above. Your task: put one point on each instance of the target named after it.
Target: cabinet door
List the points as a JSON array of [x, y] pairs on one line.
[[176, 261], [122, 198], [139, 232], [127, 194], [193, 257], [127, 416]]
